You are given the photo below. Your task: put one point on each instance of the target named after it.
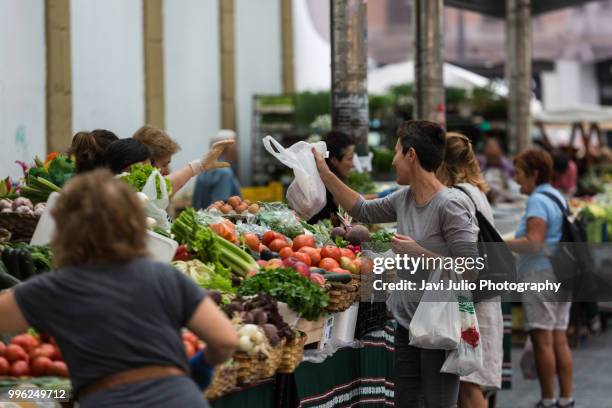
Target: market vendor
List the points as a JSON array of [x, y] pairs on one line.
[[428, 215], [87, 148], [116, 315], [220, 183], [341, 148], [163, 147]]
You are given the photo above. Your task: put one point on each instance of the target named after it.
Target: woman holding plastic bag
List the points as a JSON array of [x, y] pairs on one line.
[[430, 218], [460, 168]]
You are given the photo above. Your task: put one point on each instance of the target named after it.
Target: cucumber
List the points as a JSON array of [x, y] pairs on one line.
[[26, 264], [6, 280], [338, 277], [10, 257]]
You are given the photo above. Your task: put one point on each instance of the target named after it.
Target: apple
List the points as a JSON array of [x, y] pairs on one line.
[[274, 264], [262, 263], [346, 263], [302, 269], [317, 278], [290, 262]]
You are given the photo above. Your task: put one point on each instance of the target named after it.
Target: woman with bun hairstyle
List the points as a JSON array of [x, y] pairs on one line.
[[88, 148], [460, 168]]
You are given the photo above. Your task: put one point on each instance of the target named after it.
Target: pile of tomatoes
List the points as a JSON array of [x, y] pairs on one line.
[[28, 356]]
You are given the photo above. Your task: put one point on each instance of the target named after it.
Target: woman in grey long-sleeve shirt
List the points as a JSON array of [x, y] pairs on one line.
[[431, 220]]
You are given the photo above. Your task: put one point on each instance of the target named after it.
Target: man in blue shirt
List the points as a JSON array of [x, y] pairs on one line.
[[221, 183]]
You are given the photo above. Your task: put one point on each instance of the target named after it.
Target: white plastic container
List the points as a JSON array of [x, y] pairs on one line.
[[160, 248], [344, 324]]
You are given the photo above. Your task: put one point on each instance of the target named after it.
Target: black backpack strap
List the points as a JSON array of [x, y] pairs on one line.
[[467, 194], [555, 199]]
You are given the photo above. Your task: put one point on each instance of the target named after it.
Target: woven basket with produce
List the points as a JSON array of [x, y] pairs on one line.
[[223, 381], [20, 217], [342, 295], [293, 352]]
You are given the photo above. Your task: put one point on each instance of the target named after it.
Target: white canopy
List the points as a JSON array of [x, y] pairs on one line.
[[380, 79], [573, 114]]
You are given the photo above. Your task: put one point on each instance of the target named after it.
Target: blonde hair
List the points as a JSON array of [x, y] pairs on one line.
[[101, 221], [460, 164], [160, 143]]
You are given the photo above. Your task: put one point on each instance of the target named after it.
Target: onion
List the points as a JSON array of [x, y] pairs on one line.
[[245, 344]]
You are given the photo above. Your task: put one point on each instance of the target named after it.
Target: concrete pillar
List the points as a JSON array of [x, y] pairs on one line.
[[349, 70], [518, 73], [428, 62], [287, 46], [153, 21], [228, 64], [59, 78]]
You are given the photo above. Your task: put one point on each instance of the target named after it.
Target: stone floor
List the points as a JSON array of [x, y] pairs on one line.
[[592, 377]]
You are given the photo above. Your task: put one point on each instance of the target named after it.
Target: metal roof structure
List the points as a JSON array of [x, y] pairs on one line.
[[497, 8]]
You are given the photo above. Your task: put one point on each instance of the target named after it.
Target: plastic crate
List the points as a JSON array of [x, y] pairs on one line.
[[272, 192]]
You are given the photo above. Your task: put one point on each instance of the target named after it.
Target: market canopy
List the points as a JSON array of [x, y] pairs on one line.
[[575, 114], [498, 8], [380, 79]]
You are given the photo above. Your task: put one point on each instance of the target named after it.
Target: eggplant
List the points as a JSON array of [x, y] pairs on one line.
[[10, 257], [338, 277], [266, 255]]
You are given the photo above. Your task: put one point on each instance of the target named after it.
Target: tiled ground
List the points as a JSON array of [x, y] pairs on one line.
[[592, 377]]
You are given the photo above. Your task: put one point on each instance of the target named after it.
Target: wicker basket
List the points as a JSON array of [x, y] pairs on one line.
[[21, 226], [245, 368], [293, 351], [266, 367], [342, 295], [223, 381]]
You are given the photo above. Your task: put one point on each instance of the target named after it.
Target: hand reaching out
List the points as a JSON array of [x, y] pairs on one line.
[[210, 159]]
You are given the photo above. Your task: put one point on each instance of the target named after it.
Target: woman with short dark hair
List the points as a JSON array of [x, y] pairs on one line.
[[120, 155], [341, 148], [116, 315], [432, 220], [546, 318]]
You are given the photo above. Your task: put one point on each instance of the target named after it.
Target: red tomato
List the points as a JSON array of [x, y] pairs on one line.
[[285, 252], [19, 369], [4, 366], [189, 348], [189, 336], [252, 241], [57, 355], [302, 257], [44, 350], [278, 244], [14, 353], [315, 256], [41, 366], [268, 237], [59, 368], [328, 264], [303, 240], [26, 341], [331, 251], [348, 253]]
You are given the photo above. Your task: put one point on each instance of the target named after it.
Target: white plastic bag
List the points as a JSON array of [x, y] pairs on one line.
[[306, 194], [436, 324], [468, 356], [527, 363], [156, 207]]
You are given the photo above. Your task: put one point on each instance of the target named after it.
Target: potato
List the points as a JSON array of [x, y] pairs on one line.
[[254, 208], [234, 201], [241, 208], [226, 209]]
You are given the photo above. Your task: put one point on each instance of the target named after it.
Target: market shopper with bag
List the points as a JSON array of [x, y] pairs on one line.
[[116, 315], [460, 169], [546, 316], [426, 213]]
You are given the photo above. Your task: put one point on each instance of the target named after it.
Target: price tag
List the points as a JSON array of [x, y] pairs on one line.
[[328, 327]]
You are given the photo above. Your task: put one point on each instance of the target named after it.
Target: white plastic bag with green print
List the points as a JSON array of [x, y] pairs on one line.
[[155, 189], [467, 358]]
